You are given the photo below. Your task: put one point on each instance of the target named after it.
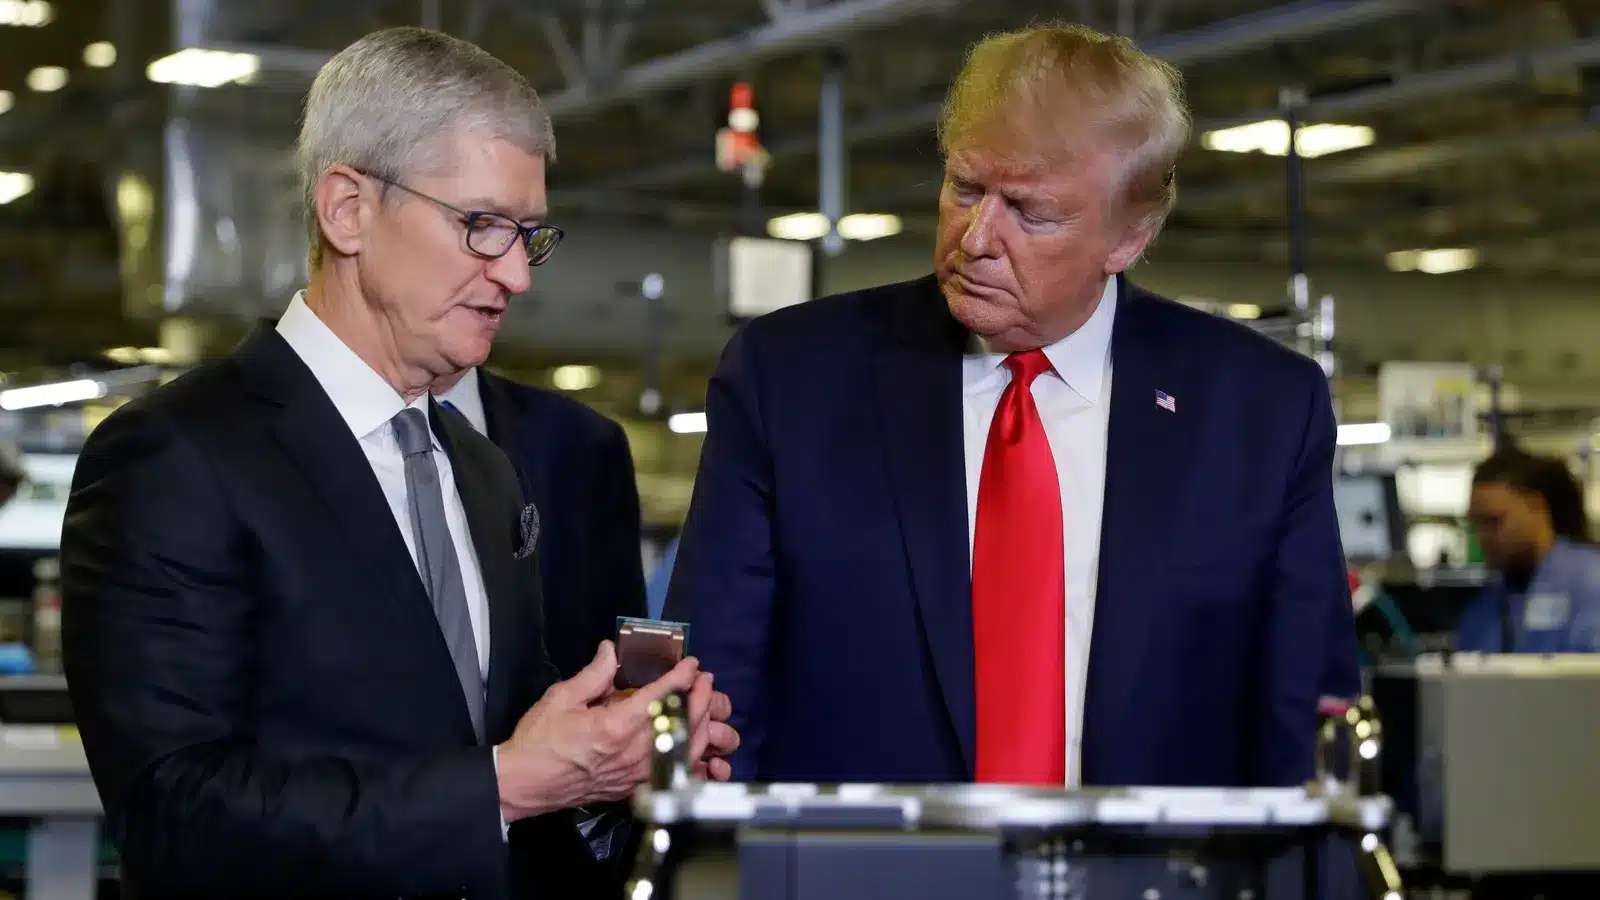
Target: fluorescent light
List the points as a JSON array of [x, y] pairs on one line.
[[1433, 262], [1244, 311], [100, 55], [575, 378], [14, 185], [52, 394], [687, 423], [204, 68], [7, 100], [868, 226], [809, 226], [1272, 138], [47, 78], [1363, 433], [26, 13], [798, 226]]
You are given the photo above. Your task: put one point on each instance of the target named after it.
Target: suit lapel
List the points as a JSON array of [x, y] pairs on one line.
[[491, 527], [918, 393], [318, 442], [1147, 461]]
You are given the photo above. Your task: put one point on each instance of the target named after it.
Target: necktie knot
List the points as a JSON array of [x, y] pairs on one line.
[[411, 431], [1028, 365]]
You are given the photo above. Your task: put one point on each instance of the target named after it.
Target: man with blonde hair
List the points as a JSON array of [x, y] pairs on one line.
[[1021, 521], [303, 628]]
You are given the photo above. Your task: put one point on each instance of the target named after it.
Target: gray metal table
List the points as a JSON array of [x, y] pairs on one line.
[[45, 777]]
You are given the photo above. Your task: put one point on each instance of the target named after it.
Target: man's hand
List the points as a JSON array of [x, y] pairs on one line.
[[710, 736], [568, 751]]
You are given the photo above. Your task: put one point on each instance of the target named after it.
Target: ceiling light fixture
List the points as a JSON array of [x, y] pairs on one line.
[[14, 185], [810, 226], [687, 423], [47, 78], [204, 68], [26, 13], [1272, 138], [575, 378], [100, 55], [52, 394], [7, 101], [1433, 262]]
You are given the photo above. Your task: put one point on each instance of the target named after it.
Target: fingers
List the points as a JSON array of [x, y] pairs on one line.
[[721, 739], [719, 769], [594, 680], [699, 713], [677, 681], [721, 707]]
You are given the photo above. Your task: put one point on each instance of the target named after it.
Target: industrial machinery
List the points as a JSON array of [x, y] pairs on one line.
[[974, 842]]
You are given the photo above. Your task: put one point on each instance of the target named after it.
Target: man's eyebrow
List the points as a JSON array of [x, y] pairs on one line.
[[488, 204]]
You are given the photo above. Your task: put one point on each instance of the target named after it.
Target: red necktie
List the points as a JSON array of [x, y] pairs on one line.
[[1019, 594]]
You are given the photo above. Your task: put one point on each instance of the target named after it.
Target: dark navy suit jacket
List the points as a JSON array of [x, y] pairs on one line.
[[574, 463], [824, 563]]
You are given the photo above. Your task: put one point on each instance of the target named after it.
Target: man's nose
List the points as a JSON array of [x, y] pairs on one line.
[[978, 240], [511, 271]]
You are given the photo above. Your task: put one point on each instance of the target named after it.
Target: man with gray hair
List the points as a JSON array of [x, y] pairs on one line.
[[303, 627]]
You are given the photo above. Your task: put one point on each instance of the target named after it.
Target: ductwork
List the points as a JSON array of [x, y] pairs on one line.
[[226, 221], [1231, 37]]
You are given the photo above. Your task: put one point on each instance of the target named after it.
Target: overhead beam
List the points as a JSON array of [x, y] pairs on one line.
[[791, 33], [1295, 21], [1396, 162], [1508, 69]]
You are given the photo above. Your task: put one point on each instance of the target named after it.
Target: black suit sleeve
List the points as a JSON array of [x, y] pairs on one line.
[[162, 631], [618, 560]]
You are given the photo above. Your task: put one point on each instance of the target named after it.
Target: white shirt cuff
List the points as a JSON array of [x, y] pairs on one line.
[[504, 828]]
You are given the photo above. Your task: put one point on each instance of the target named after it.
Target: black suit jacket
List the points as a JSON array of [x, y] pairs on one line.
[[267, 703], [576, 466]]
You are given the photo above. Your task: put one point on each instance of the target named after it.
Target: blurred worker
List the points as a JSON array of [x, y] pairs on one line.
[[1020, 520], [575, 465], [1528, 514], [302, 623]]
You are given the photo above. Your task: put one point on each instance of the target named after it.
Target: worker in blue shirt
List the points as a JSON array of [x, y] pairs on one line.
[[1528, 514]]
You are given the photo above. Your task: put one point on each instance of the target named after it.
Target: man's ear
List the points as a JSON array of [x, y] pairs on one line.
[[344, 207], [1136, 236]]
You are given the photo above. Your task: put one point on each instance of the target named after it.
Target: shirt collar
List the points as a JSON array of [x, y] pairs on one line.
[[467, 398], [1079, 359], [365, 401]]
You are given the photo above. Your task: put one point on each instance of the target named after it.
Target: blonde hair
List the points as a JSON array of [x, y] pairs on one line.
[[1035, 91], [389, 104]]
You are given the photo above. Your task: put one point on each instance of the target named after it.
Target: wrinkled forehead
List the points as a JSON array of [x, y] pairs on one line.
[[506, 178], [1087, 166]]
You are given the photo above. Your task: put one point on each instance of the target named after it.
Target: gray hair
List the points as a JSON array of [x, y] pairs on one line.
[[389, 103]]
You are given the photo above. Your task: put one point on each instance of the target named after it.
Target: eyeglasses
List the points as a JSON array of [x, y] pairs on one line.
[[492, 235]]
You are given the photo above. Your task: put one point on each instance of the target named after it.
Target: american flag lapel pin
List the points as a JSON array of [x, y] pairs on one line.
[[1165, 401]]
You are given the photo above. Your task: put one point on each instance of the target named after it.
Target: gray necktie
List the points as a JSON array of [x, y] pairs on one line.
[[436, 555]]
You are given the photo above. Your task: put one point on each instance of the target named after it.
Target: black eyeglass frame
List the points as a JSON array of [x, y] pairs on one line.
[[526, 233]]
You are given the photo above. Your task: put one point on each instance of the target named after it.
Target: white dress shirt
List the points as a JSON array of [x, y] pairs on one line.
[[368, 404], [467, 397], [1074, 400]]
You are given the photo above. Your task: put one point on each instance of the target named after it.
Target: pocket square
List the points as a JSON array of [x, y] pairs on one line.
[[530, 531]]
